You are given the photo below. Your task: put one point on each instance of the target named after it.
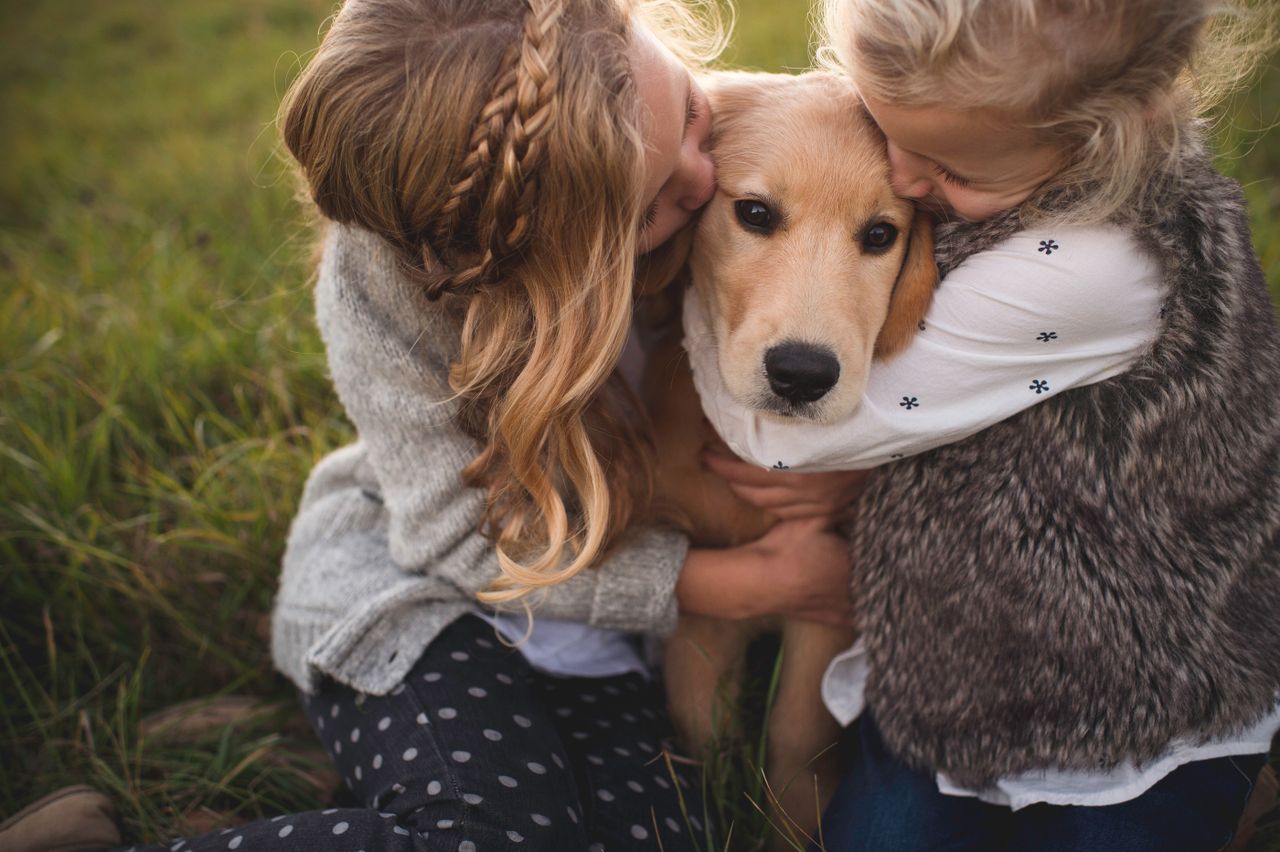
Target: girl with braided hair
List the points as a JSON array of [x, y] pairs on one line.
[[489, 171]]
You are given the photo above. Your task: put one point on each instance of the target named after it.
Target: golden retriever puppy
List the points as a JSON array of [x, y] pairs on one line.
[[807, 268]]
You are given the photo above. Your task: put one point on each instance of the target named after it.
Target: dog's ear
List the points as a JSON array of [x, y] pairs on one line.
[[913, 291], [739, 97]]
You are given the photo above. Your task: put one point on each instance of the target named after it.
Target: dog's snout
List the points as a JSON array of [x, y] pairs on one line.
[[801, 372]]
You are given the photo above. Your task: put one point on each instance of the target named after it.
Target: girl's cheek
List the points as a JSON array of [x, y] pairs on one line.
[[983, 205], [975, 210]]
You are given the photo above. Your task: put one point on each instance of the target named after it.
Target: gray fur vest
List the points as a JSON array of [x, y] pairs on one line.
[[1084, 582]]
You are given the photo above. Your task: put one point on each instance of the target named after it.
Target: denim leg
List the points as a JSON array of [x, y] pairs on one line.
[[1195, 808], [883, 805]]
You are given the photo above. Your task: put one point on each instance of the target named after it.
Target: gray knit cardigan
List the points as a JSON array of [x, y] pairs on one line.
[[385, 549], [1084, 582]]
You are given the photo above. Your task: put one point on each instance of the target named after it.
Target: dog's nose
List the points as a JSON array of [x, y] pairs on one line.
[[801, 372]]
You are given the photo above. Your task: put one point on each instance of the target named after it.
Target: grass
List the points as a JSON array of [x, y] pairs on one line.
[[163, 395]]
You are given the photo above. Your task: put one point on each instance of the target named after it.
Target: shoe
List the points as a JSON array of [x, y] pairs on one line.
[[66, 820], [1262, 800]]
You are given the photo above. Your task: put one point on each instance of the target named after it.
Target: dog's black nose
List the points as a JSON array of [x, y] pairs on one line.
[[801, 372]]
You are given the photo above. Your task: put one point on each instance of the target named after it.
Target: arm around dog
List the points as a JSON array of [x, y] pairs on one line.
[[1039, 314], [798, 569]]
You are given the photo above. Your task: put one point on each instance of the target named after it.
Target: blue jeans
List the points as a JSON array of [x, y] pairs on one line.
[[884, 805]]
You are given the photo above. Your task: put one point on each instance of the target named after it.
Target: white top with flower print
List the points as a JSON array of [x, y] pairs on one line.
[[1040, 313]]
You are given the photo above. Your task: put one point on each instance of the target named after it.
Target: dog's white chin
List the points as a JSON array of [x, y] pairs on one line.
[[836, 406], [750, 388]]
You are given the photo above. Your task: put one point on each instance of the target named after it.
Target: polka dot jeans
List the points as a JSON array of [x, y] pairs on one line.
[[475, 750]]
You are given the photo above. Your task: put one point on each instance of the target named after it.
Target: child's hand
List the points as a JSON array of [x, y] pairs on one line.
[[786, 496], [798, 569], [809, 571]]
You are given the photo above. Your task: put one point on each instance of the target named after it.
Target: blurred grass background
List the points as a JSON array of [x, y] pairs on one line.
[[163, 393]]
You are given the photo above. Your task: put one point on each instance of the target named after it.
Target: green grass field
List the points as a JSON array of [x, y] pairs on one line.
[[163, 394]]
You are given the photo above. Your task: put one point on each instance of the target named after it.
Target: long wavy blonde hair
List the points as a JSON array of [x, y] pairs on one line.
[[1112, 83], [497, 145]]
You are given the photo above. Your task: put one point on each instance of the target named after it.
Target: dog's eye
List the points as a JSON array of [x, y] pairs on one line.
[[754, 215], [879, 236]]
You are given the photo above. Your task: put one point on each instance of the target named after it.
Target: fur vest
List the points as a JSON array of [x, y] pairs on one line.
[[1099, 575]]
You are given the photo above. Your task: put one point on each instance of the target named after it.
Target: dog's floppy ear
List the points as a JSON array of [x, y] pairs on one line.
[[913, 291], [742, 97]]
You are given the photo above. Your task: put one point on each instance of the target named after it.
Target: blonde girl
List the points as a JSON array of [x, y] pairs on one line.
[[492, 175], [1068, 552]]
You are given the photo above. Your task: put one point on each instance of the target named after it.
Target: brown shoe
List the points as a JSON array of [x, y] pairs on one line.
[[66, 820], [1262, 800]]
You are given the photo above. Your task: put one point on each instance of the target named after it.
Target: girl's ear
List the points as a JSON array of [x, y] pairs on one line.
[[913, 291]]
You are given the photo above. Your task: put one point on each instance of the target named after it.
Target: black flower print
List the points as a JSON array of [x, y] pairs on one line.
[[1046, 336], [1048, 246], [780, 466], [1039, 386], [909, 402], [920, 325]]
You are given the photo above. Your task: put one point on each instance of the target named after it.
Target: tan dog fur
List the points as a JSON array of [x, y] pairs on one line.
[[805, 146]]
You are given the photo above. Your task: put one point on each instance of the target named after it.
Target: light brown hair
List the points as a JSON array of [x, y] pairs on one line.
[[1111, 83], [497, 145]]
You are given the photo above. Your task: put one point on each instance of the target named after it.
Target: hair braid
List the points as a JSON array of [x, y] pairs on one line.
[[537, 86], [497, 183], [486, 137]]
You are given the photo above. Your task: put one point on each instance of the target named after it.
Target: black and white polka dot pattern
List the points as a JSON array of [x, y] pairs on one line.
[[479, 751]]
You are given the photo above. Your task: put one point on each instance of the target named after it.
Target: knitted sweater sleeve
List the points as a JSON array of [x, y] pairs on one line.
[[389, 350], [1032, 317]]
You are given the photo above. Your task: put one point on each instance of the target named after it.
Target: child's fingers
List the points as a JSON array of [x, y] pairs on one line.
[[785, 495], [803, 511], [780, 502], [767, 498], [780, 486], [735, 470], [798, 529], [833, 487]]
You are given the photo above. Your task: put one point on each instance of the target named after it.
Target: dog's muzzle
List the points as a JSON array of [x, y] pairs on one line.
[[801, 372]]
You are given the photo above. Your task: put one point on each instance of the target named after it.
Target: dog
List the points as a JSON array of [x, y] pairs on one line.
[[807, 268]]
